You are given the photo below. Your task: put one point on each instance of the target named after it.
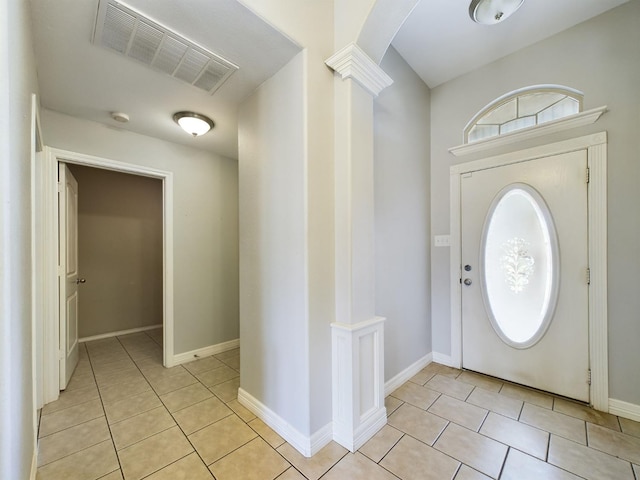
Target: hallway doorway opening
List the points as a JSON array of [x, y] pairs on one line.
[[47, 213], [119, 252]]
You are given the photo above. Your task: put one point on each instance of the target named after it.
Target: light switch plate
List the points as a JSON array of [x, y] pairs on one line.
[[441, 240]]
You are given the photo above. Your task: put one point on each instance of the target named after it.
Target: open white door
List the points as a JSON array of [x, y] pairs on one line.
[[68, 272]]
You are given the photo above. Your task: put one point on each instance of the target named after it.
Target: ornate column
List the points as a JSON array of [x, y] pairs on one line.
[[357, 334]]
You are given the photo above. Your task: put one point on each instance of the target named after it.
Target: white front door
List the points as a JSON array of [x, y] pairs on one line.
[[68, 272], [524, 273]]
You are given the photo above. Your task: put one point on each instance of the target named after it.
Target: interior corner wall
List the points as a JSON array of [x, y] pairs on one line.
[[119, 250], [205, 221], [18, 83], [402, 215], [310, 24], [600, 57], [273, 249]]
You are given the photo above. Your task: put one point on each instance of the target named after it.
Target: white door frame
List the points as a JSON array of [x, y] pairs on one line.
[[596, 146], [47, 213]]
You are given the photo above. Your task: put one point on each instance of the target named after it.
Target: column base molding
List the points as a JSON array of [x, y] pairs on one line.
[[353, 440], [358, 381]]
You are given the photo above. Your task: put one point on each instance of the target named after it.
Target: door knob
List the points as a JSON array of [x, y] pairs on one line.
[[81, 280], [467, 281]]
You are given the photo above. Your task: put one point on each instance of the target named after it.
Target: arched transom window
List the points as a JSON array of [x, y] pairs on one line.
[[523, 108]]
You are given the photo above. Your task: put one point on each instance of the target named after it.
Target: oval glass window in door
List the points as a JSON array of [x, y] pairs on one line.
[[520, 265]]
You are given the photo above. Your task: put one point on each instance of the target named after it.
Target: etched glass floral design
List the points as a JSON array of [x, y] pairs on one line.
[[516, 263], [519, 265]]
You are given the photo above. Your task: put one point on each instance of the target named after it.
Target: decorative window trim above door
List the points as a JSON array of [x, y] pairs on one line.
[[554, 126], [523, 108], [596, 146]]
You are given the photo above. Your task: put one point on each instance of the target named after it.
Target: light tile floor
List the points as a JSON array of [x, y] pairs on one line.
[[124, 416]]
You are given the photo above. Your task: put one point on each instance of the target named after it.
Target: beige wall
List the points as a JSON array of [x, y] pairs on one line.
[[119, 249], [205, 221]]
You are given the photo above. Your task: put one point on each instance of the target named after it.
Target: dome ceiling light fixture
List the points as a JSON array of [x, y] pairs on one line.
[[193, 123], [490, 12], [120, 117]]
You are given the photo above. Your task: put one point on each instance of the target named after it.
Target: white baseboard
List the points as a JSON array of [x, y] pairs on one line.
[[352, 441], [321, 439], [34, 464], [443, 359], [407, 373], [624, 409], [204, 352], [118, 333], [307, 446]]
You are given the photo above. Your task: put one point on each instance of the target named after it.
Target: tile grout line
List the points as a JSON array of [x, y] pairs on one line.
[[113, 443], [334, 464], [558, 466], [174, 420], [524, 403], [586, 434], [521, 410], [484, 420], [446, 454], [135, 363], [187, 436], [70, 426], [546, 457], [110, 435], [162, 468], [455, 474], [134, 350], [392, 447], [504, 460], [292, 466], [590, 448], [382, 466]]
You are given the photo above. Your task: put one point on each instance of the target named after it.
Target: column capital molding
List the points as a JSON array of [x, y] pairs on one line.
[[352, 62]]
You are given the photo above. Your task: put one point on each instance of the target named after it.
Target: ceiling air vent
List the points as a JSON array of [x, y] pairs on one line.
[[129, 33]]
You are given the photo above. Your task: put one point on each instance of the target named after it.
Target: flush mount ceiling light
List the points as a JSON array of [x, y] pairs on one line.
[[193, 123], [120, 117], [490, 12]]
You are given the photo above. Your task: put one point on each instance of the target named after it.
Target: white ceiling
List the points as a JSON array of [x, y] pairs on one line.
[[441, 42], [84, 80], [78, 78]]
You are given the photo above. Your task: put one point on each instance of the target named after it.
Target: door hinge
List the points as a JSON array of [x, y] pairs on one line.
[[588, 174], [61, 354], [588, 276], [589, 376]]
